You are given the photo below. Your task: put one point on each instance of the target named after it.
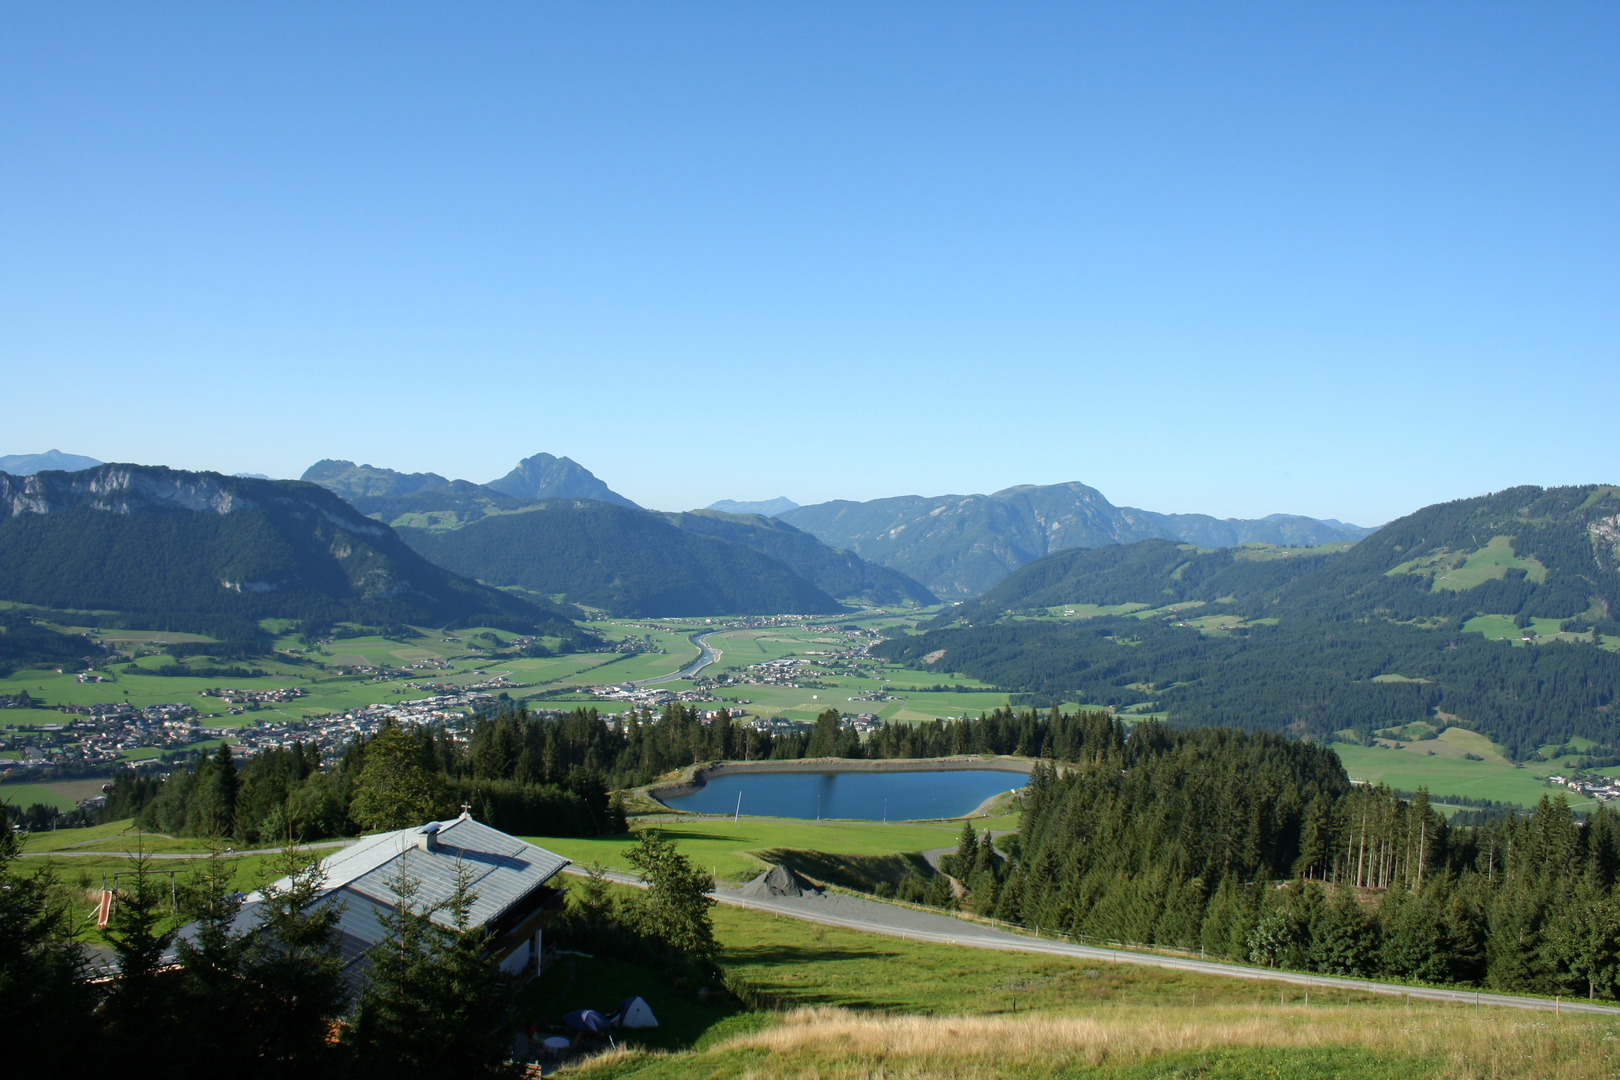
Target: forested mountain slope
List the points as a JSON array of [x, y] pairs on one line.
[[1390, 631], [620, 559], [417, 502], [213, 554], [834, 571], [961, 545]]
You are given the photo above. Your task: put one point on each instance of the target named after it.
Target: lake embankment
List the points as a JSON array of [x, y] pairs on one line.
[[696, 777]]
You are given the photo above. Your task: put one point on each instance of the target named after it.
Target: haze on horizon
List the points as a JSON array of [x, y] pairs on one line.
[[1238, 260]]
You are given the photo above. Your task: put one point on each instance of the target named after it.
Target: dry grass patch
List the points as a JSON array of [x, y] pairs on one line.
[[1444, 1042]]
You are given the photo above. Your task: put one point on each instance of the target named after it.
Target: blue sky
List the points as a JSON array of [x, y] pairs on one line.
[[1340, 260]]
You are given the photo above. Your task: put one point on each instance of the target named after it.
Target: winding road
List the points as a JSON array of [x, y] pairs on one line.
[[706, 656]]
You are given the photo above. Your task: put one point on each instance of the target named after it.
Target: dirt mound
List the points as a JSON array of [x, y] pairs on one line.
[[779, 881]]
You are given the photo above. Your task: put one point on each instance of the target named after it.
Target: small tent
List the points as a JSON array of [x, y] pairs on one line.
[[633, 1013], [588, 1021]]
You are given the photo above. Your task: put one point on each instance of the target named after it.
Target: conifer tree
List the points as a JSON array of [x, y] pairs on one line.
[[140, 1014], [42, 967], [215, 997], [674, 907], [967, 846], [294, 963]]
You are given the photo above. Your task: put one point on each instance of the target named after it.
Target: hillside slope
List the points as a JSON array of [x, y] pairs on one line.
[[214, 554], [417, 502], [832, 570], [1497, 612], [623, 560], [961, 545]]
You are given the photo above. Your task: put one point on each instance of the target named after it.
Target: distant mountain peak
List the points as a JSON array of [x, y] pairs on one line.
[[29, 464], [961, 545], [766, 508], [351, 481], [546, 476]]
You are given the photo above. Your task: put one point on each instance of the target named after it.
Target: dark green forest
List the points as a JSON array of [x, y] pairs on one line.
[[26, 644], [1254, 847], [1319, 628], [834, 571]]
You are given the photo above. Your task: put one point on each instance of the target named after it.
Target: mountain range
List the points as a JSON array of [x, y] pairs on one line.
[[627, 561], [953, 546], [206, 553], [29, 464], [961, 545], [769, 507], [1495, 613], [539, 477]]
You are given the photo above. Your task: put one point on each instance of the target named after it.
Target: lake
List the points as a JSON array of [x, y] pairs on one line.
[[872, 796]]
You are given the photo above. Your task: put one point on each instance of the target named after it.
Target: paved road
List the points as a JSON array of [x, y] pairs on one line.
[[872, 916], [174, 854], [706, 656]]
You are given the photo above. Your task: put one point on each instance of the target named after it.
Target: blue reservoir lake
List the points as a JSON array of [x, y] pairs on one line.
[[864, 795]]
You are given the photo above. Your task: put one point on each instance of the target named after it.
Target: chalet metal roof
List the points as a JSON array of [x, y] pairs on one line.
[[361, 877], [504, 868]]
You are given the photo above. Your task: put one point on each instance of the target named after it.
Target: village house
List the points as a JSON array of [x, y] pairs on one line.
[[512, 880]]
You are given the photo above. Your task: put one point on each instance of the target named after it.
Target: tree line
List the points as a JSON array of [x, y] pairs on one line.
[[527, 774], [1252, 847]]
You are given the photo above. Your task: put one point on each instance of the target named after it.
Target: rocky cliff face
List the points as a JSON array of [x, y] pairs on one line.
[[201, 547], [128, 489]]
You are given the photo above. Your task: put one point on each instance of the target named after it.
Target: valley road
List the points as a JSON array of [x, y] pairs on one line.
[[705, 657]]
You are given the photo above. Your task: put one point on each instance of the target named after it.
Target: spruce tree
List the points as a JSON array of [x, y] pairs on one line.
[[434, 1004], [967, 846], [1415, 945], [141, 1013], [42, 967], [215, 998], [294, 963]]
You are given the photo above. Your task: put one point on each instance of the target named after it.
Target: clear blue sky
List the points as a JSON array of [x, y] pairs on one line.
[[1340, 260]]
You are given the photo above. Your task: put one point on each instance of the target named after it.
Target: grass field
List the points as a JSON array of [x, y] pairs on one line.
[[1446, 773], [727, 850], [865, 1006], [62, 794], [84, 875]]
